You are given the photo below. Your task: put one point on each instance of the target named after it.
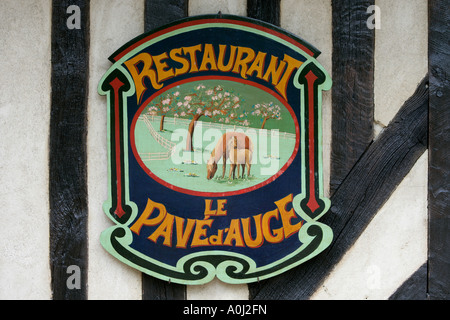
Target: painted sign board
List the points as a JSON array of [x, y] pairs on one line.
[[214, 151]]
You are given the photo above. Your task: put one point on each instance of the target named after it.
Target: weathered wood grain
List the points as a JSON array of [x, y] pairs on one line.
[[158, 13], [68, 158], [266, 10], [362, 193], [155, 289], [161, 12], [439, 151], [353, 86]]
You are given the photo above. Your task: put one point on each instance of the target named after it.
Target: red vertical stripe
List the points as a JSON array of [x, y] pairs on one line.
[[116, 84], [312, 202]]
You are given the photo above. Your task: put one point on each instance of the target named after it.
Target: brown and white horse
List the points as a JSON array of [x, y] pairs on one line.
[[239, 157], [221, 151]]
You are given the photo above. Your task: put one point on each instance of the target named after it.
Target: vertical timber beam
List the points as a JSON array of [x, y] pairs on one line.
[[161, 12], [353, 86], [67, 158], [158, 13], [266, 10], [439, 151]]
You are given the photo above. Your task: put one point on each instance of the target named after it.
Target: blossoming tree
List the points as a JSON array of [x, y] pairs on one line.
[[267, 111], [162, 105], [215, 103]]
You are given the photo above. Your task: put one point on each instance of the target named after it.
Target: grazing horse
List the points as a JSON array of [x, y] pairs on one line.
[[221, 151], [239, 157]]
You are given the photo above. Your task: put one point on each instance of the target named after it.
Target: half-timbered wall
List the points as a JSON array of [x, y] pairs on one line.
[[385, 125]]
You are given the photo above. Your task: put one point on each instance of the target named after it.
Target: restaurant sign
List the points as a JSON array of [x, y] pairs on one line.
[[214, 151]]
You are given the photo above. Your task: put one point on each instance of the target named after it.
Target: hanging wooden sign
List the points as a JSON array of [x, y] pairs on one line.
[[214, 144]]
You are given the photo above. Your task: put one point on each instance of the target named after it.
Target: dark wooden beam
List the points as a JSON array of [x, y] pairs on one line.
[[353, 88], [439, 151], [67, 158], [161, 12], [155, 289], [157, 14], [266, 10], [361, 194]]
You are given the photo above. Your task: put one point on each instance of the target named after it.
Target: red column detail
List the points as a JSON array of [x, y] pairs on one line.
[[116, 84], [312, 202]]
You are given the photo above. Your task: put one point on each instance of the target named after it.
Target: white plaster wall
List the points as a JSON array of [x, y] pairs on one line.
[[24, 115], [401, 55], [113, 23]]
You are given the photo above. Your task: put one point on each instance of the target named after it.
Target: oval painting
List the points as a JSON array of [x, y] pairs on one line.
[[182, 136]]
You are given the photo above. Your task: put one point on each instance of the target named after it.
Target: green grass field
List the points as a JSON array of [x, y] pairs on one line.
[[188, 169]]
